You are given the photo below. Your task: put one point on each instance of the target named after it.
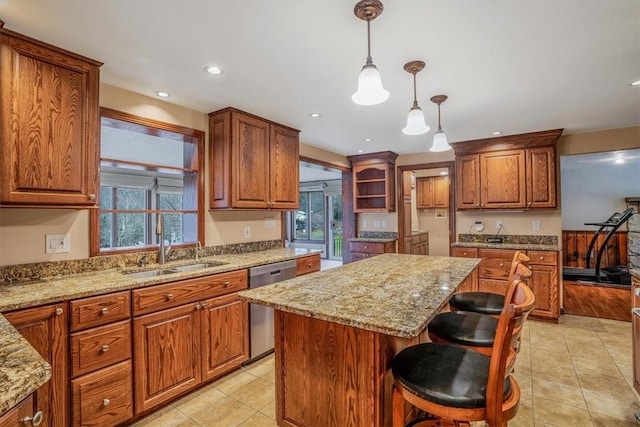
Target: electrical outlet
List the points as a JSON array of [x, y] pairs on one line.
[[536, 224], [376, 223], [478, 225], [247, 232], [365, 223], [57, 243], [498, 224], [384, 223]]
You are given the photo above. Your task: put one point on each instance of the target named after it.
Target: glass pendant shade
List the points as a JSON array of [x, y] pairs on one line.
[[370, 90], [440, 142], [415, 122]]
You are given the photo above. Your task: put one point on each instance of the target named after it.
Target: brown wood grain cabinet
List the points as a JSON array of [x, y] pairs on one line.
[[363, 250], [176, 349], [254, 162], [308, 264], [432, 192], [635, 292], [512, 172], [50, 124], [374, 182], [21, 415], [45, 328], [419, 243]]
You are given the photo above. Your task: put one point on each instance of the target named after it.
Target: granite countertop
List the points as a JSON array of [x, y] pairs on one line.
[[22, 370], [372, 239], [394, 294], [516, 246]]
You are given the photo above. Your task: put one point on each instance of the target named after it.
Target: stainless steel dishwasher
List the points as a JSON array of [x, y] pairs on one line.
[[261, 317]]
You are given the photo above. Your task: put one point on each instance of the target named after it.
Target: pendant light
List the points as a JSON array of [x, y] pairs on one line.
[[370, 90], [440, 142], [415, 119]]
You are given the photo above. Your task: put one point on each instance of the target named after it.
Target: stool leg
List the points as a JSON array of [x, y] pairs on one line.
[[398, 408]]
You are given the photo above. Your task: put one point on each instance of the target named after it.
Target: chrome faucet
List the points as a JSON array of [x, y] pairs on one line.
[[163, 253], [198, 248]]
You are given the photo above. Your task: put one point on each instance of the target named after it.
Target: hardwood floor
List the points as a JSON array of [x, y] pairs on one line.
[[597, 301]]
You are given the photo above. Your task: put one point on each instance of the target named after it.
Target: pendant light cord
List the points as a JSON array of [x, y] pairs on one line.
[[439, 127], [415, 96], [369, 60]]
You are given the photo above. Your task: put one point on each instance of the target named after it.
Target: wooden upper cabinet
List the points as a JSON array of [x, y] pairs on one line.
[[511, 172], [254, 163], [468, 181], [49, 125], [502, 179], [374, 182], [432, 192]]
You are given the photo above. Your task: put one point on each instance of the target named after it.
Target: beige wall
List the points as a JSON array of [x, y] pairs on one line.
[[323, 155], [604, 140], [22, 231]]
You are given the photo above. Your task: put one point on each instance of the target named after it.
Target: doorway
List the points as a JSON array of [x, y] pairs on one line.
[[416, 215]]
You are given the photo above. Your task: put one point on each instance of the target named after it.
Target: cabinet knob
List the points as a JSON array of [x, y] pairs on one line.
[[91, 196], [104, 310], [464, 253], [366, 247], [541, 258], [105, 348], [227, 284], [204, 305], [168, 297], [59, 311], [502, 264], [198, 306], [309, 265], [36, 420], [105, 402]]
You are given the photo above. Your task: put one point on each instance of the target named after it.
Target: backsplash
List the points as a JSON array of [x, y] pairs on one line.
[[378, 235], [36, 271], [519, 239]]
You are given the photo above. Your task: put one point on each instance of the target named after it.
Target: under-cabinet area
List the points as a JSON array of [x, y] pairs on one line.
[[140, 343]]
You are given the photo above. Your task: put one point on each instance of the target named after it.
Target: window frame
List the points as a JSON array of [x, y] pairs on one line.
[[153, 127], [292, 221]]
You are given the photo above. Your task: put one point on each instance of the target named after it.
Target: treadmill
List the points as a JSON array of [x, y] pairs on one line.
[[612, 275]]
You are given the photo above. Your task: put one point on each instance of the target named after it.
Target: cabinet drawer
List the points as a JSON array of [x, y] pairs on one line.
[[465, 252], [357, 256], [367, 247], [173, 294], [493, 286], [543, 257], [100, 310], [100, 347], [307, 265], [503, 254], [497, 269], [103, 398], [14, 417]]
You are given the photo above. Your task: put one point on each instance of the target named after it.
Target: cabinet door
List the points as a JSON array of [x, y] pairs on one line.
[[544, 284], [468, 182], [284, 168], [50, 130], [45, 328], [635, 292], [15, 416], [220, 160], [166, 350], [541, 177], [225, 335], [440, 188], [250, 154], [424, 193], [502, 180]]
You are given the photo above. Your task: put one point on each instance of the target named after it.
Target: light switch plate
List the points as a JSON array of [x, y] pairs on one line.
[[57, 243]]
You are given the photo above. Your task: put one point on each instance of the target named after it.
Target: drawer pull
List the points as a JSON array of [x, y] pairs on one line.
[[502, 264], [91, 196], [105, 348], [309, 265], [204, 305], [105, 402], [104, 310], [464, 254], [168, 297], [36, 420], [59, 311], [366, 247], [227, 284], [541, 258]]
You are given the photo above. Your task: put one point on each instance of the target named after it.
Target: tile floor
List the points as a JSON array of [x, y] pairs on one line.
[[575, 373]]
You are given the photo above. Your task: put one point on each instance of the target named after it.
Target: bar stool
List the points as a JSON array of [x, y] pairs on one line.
[[475, 331], [486, 302], [454, 383]]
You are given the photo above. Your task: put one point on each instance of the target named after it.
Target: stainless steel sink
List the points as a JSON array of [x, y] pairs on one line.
[[151, 273], [199, 266]]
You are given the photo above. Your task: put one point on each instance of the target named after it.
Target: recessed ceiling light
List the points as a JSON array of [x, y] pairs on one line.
[[315, 115], [496, 133], [162, 94], [619, 160], [444, 173], [368, 139], [213, 70], [360, 151], [636, 83]]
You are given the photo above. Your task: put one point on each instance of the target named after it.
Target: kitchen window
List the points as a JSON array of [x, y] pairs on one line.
[[309, 220], [147, 169]]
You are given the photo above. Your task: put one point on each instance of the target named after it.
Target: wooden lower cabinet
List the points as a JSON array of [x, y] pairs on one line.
[[635, 340], [103, 398], [362, 249], [635, 292], [45, 328], [22, 415], [178, 348], [470, 284], [308, 264]]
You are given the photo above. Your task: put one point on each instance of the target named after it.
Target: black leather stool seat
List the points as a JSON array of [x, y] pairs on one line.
[[445, 374], [464, 328], [478, 302]]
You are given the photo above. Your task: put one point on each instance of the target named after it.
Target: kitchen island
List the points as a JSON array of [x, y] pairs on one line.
[[337, 331]]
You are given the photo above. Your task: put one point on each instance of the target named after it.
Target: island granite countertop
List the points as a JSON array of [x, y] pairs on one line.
[[516, 246], [23, 370], [394, 294], [372, 239]]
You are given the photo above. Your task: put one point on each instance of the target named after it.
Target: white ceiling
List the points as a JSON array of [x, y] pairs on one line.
[[512, 66]]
